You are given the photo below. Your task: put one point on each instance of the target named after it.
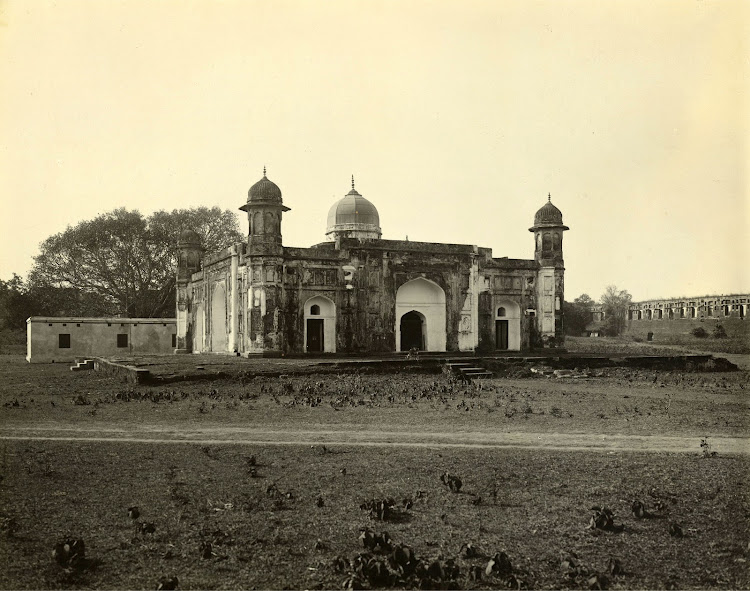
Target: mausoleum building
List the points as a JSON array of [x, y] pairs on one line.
[[357, 293]]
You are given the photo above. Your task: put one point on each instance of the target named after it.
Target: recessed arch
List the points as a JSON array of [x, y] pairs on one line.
[[319, 325], [427, 299], [218, 318], [412, 331]]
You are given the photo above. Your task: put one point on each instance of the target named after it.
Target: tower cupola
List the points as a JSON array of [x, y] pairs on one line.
[[548, 231]]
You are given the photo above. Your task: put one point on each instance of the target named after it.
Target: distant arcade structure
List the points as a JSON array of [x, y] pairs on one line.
[[695, 308]]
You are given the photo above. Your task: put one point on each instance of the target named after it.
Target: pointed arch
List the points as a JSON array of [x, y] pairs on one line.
[[319, 325]]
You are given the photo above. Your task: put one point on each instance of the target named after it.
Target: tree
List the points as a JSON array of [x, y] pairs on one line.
[[20, 299], [123, 263], [578, 314], [615, 304]]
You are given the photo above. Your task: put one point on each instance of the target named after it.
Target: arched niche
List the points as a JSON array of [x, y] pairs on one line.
[[507, 325]]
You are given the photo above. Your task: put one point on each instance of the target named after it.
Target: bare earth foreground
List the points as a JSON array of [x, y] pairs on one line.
[[258, 481]]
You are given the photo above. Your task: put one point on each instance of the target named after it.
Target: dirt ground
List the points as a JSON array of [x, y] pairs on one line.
[[534, 452]]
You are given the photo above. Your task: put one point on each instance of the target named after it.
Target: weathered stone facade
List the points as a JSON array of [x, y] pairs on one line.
[[357, 293]]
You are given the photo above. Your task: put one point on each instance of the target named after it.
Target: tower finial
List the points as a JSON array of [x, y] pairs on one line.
[[352, 181], [264, 170], [549, 197]]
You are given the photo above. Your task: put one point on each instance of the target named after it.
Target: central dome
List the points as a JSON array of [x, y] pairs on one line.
[[353, 216]]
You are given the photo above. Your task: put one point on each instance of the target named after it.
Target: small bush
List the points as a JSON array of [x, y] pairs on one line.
[[719, 332], [699, 332]]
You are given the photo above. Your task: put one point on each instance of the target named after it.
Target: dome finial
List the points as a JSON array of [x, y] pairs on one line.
[[352, 181], [549, 197], [264, 170]]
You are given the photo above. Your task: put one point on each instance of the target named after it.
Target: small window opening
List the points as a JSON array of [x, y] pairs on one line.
[[174, 340], [122, 340], [501, 311], [315, 310], [63, 341]]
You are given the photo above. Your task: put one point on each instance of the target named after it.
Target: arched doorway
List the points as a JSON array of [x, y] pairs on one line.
[[219, 319], [413, 332], [320, 325], [507, 326], [426, 299]]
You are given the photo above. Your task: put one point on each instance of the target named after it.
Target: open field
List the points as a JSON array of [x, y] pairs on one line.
[[533, 505], [534, 454]]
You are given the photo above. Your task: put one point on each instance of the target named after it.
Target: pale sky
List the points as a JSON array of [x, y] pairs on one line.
[[456, 119]]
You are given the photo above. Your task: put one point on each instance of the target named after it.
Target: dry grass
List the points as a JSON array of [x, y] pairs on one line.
[[533, 505]]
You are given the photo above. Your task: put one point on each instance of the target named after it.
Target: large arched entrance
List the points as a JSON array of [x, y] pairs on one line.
[[507, 326], [219, 319], [424, 301], [320, 325], [412, 331]]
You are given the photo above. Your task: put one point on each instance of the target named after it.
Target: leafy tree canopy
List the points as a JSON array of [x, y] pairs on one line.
[[615, 304], [124, 263], [577, 314]]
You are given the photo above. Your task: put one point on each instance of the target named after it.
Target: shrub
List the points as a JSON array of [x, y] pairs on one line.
[[719, 332], [699, 332]]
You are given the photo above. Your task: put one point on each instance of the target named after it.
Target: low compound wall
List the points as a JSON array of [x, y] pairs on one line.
[[62, 340]]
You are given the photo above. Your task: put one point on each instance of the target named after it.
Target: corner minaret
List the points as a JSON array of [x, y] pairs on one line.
[[189, 255], [264, 208], [548, 231]]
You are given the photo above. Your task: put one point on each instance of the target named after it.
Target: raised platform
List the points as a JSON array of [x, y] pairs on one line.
[[162, 369]]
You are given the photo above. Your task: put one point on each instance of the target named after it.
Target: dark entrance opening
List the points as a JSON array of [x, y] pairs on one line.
[[501, 334], [412, 331], [315, 335]]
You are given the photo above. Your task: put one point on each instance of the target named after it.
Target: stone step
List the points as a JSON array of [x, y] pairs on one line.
[[84, 365], [469, 377], [471, 369]]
